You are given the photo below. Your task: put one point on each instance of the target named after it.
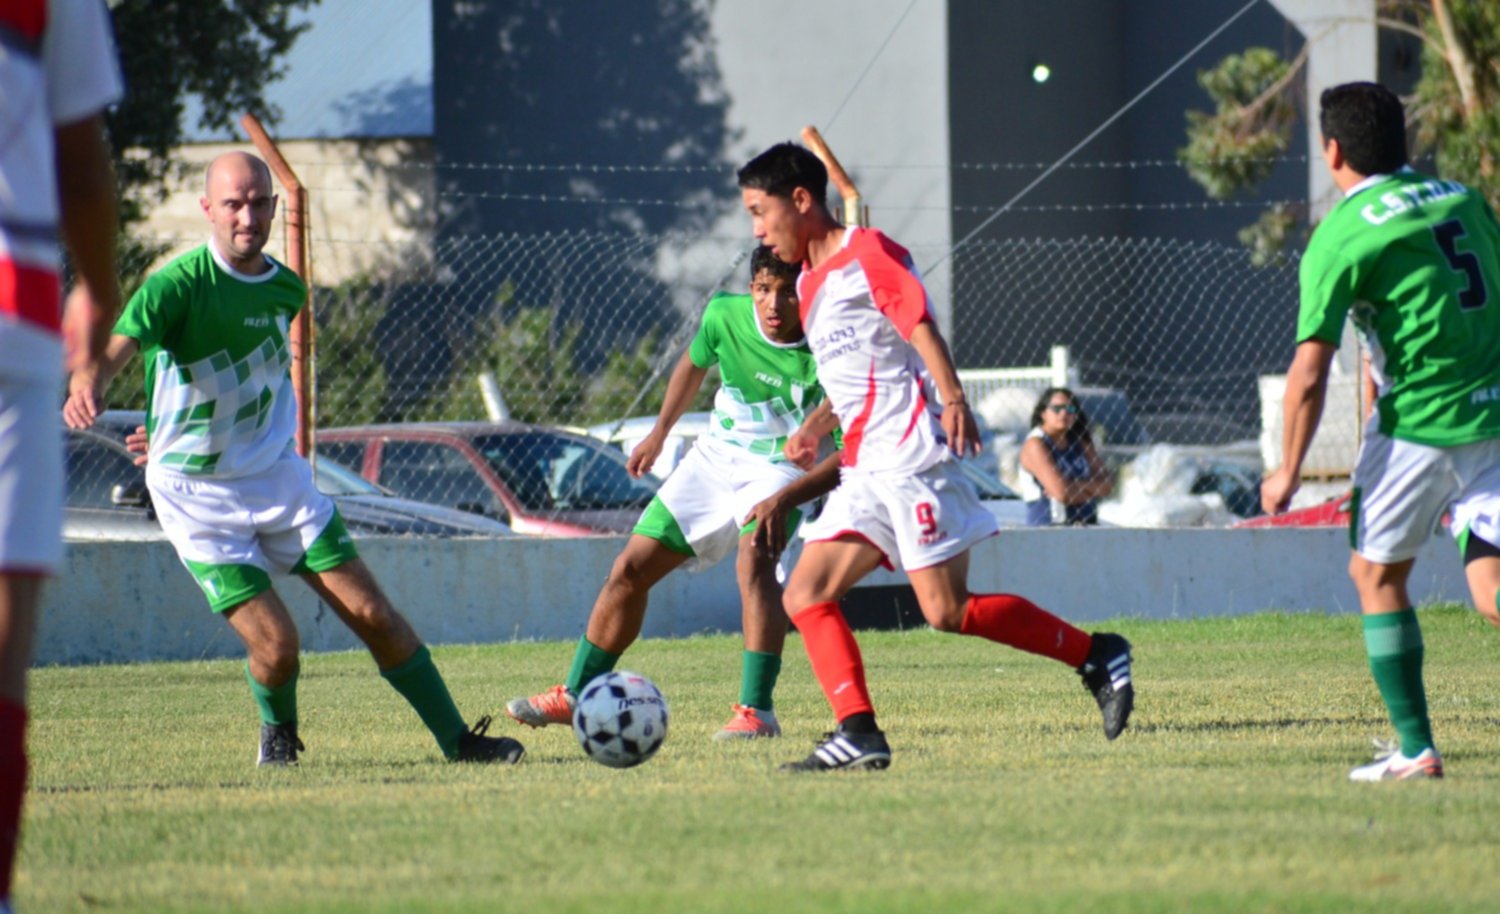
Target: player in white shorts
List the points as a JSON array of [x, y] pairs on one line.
[[57, 74], [1404, 489], [235, 535], [1415, 261], [232, 494], [892, 388], [705, 509]]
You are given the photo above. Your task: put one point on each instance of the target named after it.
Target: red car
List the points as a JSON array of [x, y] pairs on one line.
[[1332, 513], [542, 481]]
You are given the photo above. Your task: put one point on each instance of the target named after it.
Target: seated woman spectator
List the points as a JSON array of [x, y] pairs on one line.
[[1063, 477]]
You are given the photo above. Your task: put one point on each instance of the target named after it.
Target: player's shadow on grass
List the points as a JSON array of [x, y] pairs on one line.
[[1273, 723]]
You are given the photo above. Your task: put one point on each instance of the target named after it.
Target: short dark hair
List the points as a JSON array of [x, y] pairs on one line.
[[1370, 124], [763, 259], [782, 169]]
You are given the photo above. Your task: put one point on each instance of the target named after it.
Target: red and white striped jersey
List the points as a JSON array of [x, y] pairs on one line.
[[859, 309], [57, 66]]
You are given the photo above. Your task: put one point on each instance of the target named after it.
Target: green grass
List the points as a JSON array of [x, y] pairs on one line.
[[1228, 793]]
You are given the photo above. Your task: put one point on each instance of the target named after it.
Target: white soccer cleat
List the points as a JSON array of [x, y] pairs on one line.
[[1391, 765]]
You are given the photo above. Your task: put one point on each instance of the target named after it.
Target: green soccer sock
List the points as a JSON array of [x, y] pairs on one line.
[[589, 661], [1393, 642], [277, 704], [758, 672], [420, 683]]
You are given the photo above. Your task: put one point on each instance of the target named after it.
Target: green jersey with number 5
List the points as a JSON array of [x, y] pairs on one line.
[[1416, 261]]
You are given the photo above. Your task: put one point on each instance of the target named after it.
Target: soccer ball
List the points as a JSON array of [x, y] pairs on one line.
[[620, 719]]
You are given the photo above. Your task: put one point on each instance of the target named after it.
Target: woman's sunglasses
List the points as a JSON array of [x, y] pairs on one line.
[[1062, 407]]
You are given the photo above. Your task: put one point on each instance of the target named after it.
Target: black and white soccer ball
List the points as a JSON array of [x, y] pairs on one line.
[[620, 719]]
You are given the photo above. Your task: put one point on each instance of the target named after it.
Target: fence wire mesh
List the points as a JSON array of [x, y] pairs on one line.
[[1175, 347]]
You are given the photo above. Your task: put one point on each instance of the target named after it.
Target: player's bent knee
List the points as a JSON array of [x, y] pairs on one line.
[[944, 618], [277, 657], [794, 601], [757, 570], [1367, 575], [627, 575]]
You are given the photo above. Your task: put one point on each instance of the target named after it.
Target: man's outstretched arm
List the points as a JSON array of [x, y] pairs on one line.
[[682, 387], [1306, 390]]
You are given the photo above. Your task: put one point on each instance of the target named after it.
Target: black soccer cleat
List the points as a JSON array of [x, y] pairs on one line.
[[279, 745], [474, 746], [1106, 676], [845, 751]]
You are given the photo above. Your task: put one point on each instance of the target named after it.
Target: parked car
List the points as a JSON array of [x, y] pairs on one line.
[[1001, 500], [107, 497], [628, 433], [106, 492], [543, 481], [369, 509]]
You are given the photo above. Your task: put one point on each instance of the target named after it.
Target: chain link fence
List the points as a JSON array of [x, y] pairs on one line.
[[1174, 346]]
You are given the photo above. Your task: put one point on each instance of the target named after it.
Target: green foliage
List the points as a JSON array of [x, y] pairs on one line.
[[1236, 146], [1229, 150], [1466, 139], [1228, 793], [222, 51], [532, 354], [351, 377], [625, 387], [1268, 238]]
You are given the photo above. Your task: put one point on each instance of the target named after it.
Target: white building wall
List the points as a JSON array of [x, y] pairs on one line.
[[787, 64]]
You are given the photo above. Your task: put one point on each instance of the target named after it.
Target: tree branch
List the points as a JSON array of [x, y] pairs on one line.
[[1458, 59]]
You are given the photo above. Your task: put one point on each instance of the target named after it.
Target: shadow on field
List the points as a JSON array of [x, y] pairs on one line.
[[1276, 723]]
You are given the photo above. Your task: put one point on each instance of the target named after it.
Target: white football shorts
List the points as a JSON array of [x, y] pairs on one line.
[[711, 492], [1401, 491], [922, 519], [31, 476], [267, 520]]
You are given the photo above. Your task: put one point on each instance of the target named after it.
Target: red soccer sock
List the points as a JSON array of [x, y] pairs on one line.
[[1020, 623], [835, 658], [12, 786]]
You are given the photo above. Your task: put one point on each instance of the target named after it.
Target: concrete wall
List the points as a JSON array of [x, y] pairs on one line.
[[121, 602]]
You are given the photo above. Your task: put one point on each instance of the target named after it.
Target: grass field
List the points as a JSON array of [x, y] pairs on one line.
[[1228, 793]]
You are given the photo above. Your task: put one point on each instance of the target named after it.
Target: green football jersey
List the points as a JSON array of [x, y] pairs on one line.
[[767, 387], [218, 380], [1416, 260]]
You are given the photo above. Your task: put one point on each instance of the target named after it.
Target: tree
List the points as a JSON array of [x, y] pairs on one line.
[[352, 381], [532, 355], [1454, 110], [225, 52], [634, 382]]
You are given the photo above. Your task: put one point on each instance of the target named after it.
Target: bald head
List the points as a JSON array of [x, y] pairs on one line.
[[240, 203], [239, 165]]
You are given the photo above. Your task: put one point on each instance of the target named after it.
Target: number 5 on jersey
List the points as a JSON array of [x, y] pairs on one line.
[[1465, 262]]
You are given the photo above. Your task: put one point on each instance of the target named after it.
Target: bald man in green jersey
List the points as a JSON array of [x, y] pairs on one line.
[[703, 512], [233, 496], [1416, 261]]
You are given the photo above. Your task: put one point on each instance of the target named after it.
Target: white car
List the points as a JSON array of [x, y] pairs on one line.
[[1001, 500], [629, 433]]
